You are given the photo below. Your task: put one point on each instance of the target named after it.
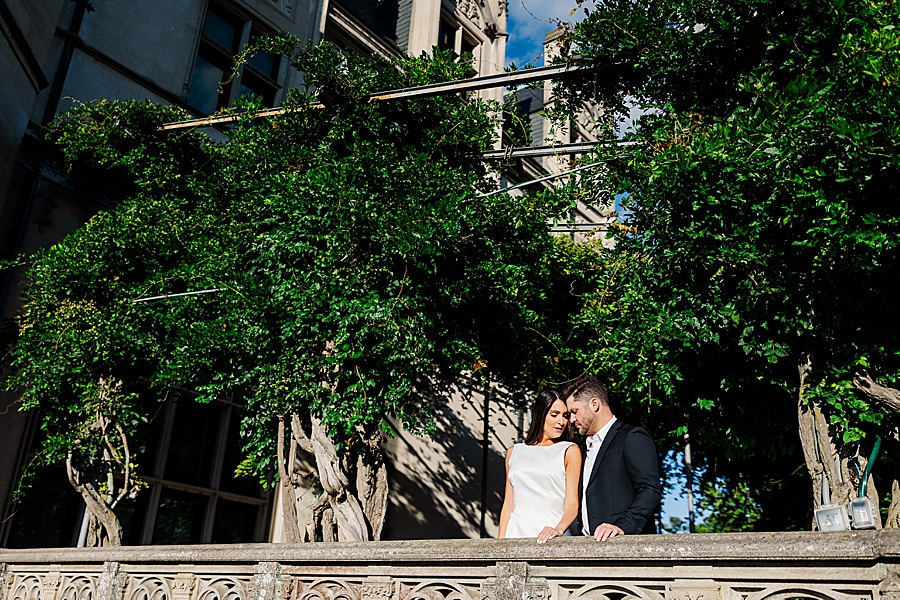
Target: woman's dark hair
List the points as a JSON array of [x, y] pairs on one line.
[[539, 411]]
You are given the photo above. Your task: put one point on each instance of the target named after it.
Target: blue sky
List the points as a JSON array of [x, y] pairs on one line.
[[529, 21]]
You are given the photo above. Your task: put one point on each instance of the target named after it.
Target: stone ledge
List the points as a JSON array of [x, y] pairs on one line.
[[797, 547]]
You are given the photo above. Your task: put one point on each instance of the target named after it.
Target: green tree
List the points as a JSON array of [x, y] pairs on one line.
[[753, 282], [352, 272]]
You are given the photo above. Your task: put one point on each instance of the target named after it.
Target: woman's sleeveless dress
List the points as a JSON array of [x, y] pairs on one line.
[[538, 478]]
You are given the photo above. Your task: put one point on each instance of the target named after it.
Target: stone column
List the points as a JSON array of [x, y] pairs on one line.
[[423, 27], [265, 583], [511, 582], [4, 580], [112, 582], [888, 588], [695, 589]]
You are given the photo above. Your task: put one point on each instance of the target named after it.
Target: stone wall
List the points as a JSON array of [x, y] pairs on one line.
[[773, 566]]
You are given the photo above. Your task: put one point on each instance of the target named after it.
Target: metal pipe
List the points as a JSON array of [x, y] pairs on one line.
[[689, 471], [486, 443], [424, 91], [578, 227], [164, 296], [558, 150], [546, 178], [864, 480]]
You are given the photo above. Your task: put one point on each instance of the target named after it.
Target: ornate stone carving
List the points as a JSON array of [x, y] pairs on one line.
[[183, 586], [610, 591], [28, 587], [696, 589], [326, 589], [50, 585], [377, 588], [78, 587], [469, 8], [227, 588], [148, 588], [439, 590], [286, 7], [811, 590]]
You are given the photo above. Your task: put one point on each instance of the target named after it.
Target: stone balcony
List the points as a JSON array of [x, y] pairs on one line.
[[849, 565]]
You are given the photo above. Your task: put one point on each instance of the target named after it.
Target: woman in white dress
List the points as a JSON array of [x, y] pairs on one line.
[[542, 475]]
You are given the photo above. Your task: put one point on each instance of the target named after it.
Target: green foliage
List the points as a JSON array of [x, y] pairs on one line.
[[759, 218], [727, 507], [354, 272]]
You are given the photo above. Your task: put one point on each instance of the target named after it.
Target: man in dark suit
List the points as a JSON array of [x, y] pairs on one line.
[[619, 485]]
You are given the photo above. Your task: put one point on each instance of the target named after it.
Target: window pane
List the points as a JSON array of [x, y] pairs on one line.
[[131, 514], [254, 85], [235, 522], [204, 94], [221, 30], [193, 442], [446, 36], [467, 46], [234, 455], [146, 441], [265, 63], [179, 518], [49, 515]]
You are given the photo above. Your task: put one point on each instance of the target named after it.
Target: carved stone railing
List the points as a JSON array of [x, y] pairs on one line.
[[771, 566]]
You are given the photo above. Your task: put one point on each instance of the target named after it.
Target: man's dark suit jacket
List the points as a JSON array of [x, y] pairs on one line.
[[624, 488]]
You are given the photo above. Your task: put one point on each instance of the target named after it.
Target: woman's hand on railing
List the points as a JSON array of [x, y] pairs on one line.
[[548, 533]]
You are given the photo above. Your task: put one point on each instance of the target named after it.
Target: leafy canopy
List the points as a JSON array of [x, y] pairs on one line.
[[760, 219], [349, 265]]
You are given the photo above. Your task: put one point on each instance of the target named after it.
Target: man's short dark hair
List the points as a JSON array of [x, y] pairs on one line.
[[584, 388]]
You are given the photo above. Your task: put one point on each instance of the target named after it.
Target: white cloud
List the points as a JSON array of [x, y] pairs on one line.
[[531, 20]]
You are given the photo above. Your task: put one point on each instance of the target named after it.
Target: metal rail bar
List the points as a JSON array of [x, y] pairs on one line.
[[435, 89], [165, 296], [578, 227], [546, 178], [557, 150]]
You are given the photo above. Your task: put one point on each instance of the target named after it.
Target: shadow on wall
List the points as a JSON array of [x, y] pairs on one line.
[[436, 484]]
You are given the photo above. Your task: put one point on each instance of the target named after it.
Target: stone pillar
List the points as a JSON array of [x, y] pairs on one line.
[[183, 586], [695, 589], [423, 27], [265, 583], [511, 582], [4, 580], [112, 582], [888, 587]]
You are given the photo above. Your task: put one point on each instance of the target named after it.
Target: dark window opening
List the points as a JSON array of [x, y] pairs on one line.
[[446, 36], [224, 34]]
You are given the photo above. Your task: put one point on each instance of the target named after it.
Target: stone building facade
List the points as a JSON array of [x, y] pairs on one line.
[[57, 53]]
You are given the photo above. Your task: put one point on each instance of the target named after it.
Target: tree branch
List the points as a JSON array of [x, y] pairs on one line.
[[884, 395]]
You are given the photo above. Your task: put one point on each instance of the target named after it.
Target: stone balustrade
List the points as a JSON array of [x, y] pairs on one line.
[[861, 565]]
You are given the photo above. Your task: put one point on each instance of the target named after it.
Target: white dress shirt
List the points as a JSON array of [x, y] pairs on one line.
[[593, 443]]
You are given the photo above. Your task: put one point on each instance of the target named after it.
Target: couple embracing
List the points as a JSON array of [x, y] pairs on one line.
[[550, 490]]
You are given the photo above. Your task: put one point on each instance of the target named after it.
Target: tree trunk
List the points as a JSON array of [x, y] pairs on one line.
[[338, 515], [287, 452], [828, 460], [104, 528], [372, 485], [889, 397]]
